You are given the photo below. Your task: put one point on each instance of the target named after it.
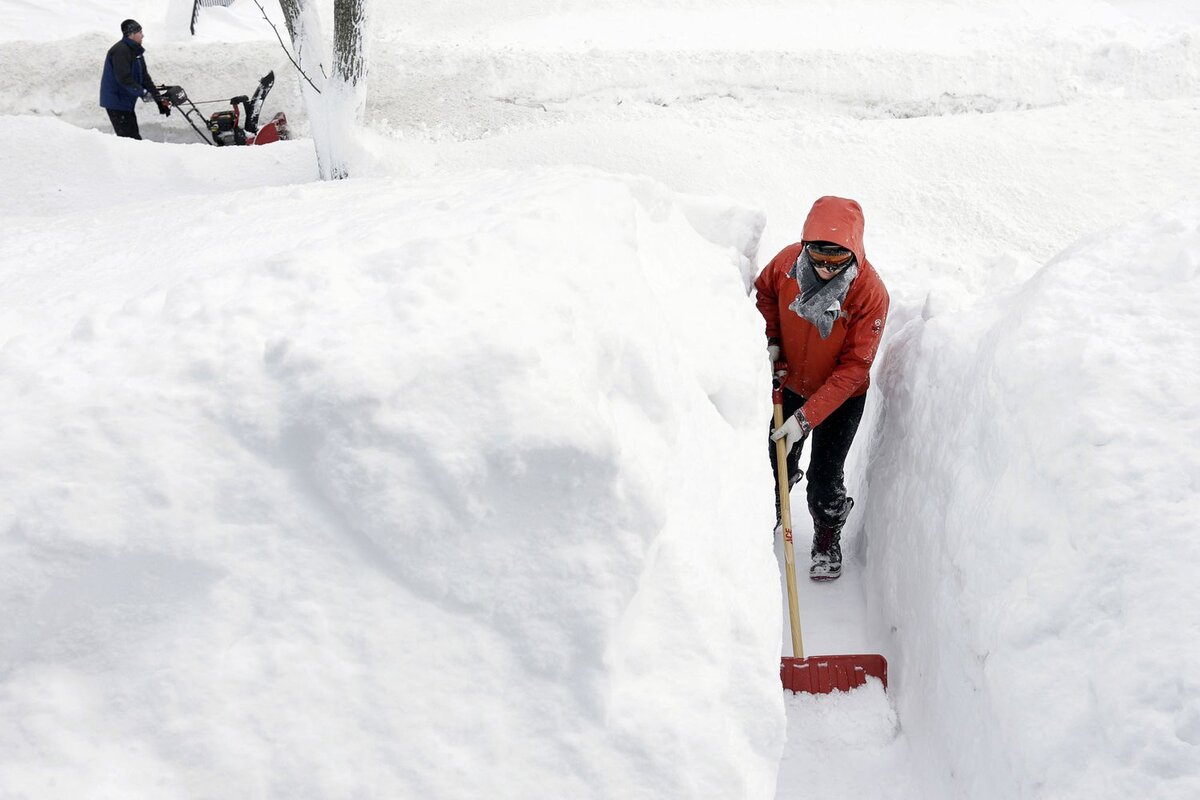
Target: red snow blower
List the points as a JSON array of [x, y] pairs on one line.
[[814, 674], [237, 125]]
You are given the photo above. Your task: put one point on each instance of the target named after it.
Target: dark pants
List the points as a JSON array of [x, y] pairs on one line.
[[831, 440], [124, 123]]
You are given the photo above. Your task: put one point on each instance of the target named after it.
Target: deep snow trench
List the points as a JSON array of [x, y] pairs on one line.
[[1009, 161]]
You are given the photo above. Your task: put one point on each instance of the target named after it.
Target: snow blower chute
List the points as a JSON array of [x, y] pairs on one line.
[[237, 125], [814, 674]]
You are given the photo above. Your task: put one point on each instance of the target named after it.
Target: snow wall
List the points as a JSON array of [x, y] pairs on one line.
[[1031, 533], [468, 70], [390, 489]]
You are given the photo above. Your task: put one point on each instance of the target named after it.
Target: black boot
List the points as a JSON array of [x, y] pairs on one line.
[[826, 554]]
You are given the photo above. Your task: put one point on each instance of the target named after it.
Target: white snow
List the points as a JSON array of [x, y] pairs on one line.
[[428, 460], [1061, 628], [449, 480]]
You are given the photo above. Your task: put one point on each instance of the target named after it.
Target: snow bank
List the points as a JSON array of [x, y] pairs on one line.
[[868, 58], [1032, 525], [467, 71], [106, 173], [162, 20], [1005, 69], [398, 489]]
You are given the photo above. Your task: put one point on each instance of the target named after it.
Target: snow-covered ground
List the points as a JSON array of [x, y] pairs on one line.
[[449, 480]]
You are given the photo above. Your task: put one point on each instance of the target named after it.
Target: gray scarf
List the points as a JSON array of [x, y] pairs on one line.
[[820, 302]]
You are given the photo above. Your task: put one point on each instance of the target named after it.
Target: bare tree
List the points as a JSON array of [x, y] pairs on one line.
[[335, 102]]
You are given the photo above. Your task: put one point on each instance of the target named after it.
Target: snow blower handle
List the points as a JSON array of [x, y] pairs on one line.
[[175, 95], [785, 511], [244, 111]]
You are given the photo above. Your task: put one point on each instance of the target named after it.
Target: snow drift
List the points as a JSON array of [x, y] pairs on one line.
[[1038, 459], [408, 502]]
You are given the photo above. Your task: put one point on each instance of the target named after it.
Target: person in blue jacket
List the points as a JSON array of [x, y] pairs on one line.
[[126, 80]]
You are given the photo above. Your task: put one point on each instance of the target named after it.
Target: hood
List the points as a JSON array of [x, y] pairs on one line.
[[836, 219]]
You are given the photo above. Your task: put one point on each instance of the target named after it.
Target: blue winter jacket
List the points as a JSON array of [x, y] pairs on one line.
[[125, 77]]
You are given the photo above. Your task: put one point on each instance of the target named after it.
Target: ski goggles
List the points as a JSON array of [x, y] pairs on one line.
[[829, 256]]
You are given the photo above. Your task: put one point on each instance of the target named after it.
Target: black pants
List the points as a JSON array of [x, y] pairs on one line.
[[831, 440], [124, 123]]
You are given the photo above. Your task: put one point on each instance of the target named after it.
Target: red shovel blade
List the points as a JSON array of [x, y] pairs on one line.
[[825, 674]]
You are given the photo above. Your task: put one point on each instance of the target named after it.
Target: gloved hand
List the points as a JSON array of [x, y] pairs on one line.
[[164, 108], [793, 431], [773, 352], [146, 96]]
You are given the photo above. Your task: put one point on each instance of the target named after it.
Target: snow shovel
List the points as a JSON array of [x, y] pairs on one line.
[[815, 674]]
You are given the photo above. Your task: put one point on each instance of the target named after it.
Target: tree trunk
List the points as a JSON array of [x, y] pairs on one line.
[[349, 17], [291, 17], [344, 96], [334, 109]]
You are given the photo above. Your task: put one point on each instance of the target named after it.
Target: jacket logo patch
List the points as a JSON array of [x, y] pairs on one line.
[[877, 327]]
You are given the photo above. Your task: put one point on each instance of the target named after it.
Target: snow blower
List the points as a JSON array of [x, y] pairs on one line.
[[237, 125], [814, 674]]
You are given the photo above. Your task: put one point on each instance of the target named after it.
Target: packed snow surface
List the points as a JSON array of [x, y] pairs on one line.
[[449, 480]]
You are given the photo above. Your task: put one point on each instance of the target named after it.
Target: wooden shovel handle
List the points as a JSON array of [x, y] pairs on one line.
[[785, 508]]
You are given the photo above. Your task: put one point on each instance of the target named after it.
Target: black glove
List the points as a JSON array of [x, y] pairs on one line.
[[164, 108]]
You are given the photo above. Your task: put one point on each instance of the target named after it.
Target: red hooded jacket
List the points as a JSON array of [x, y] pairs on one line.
[[826, 371]]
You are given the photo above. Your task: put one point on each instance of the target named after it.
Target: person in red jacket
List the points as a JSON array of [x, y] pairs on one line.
[[825, 308]]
